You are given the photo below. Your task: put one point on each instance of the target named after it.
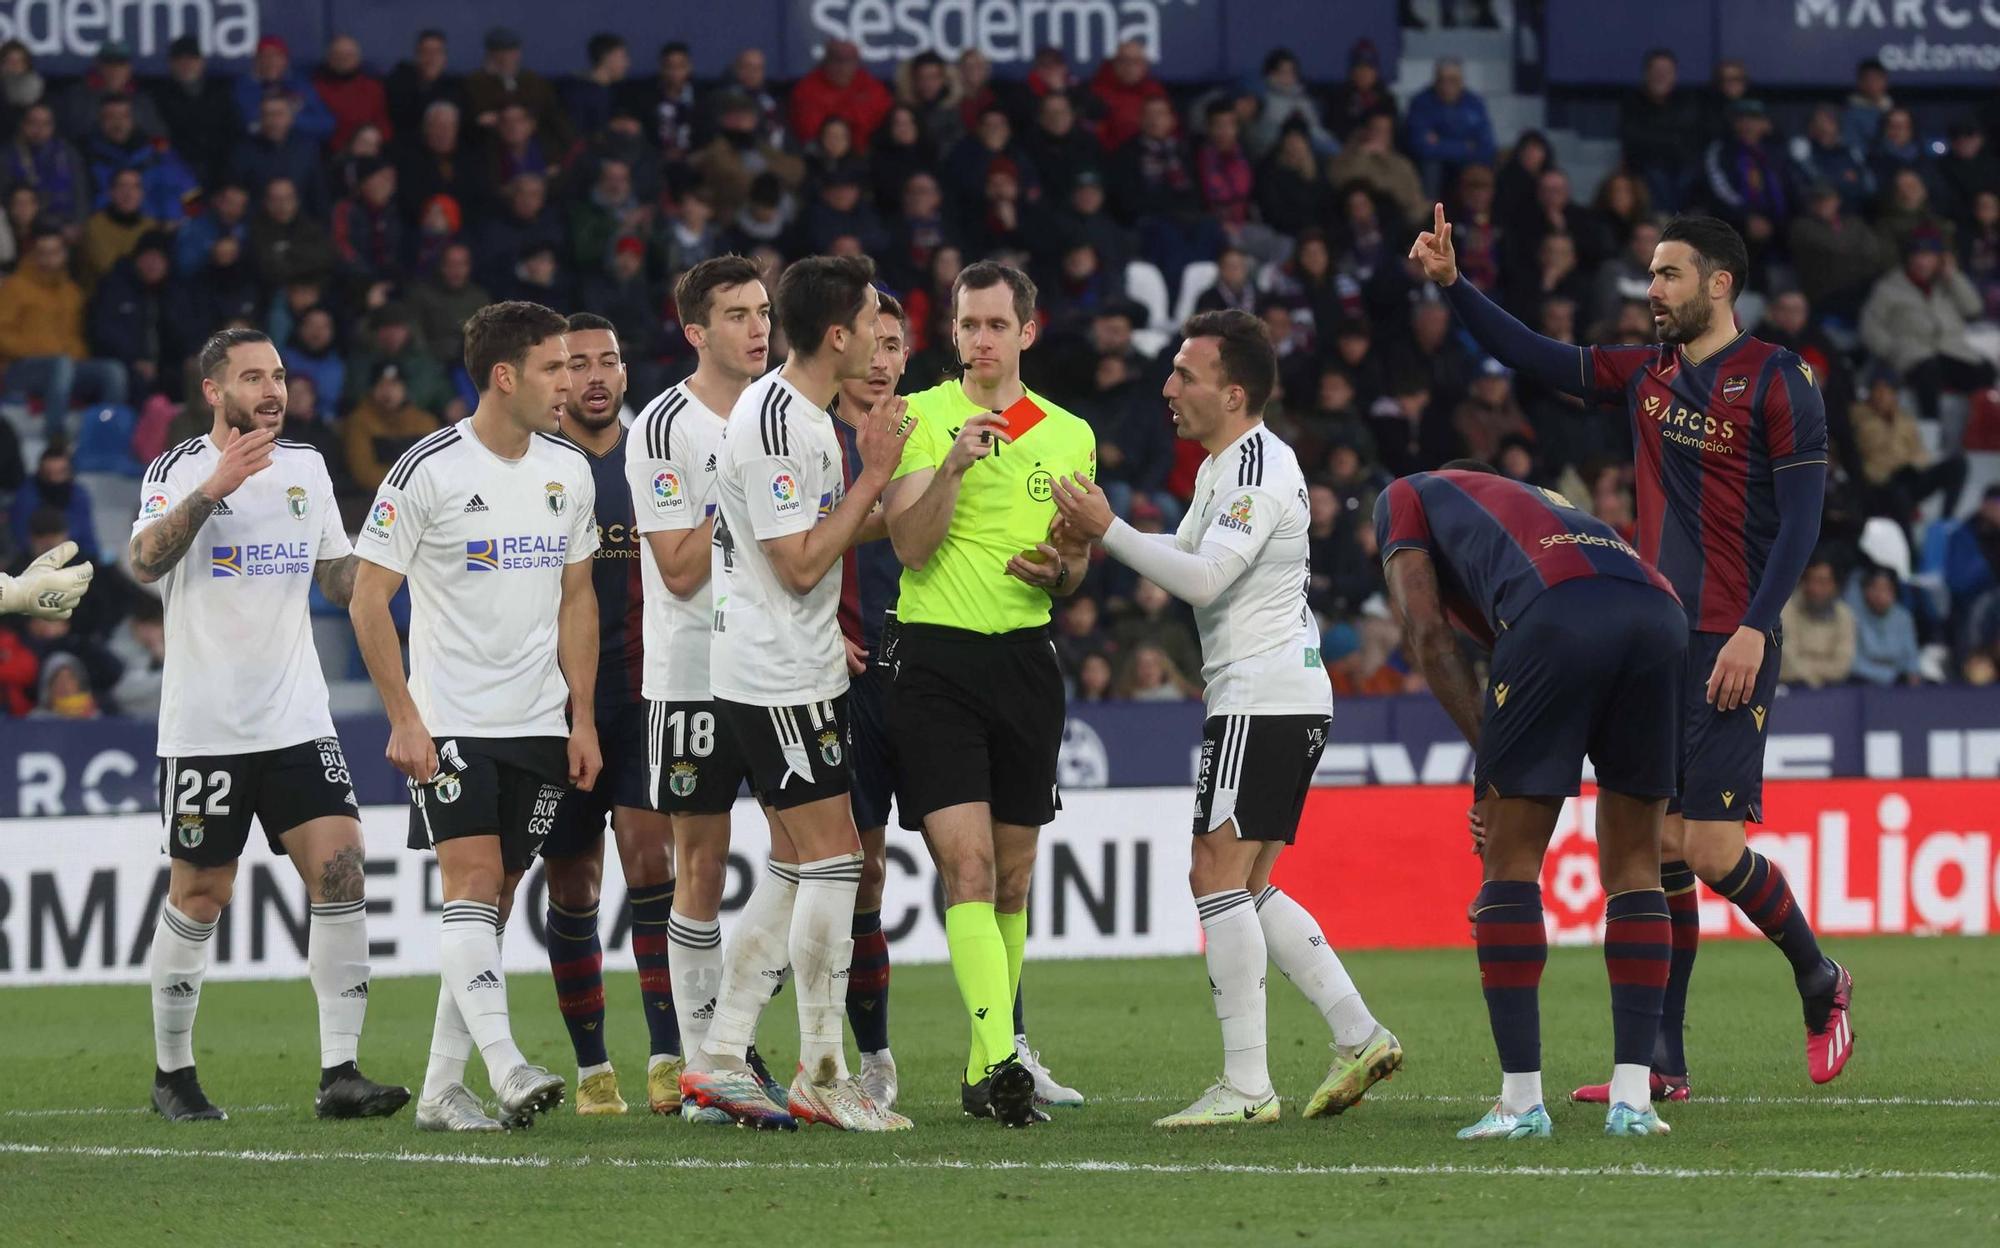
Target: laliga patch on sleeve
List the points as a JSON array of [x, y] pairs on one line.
[[381, 519], [154, 507], [668, 496], [786, 497]]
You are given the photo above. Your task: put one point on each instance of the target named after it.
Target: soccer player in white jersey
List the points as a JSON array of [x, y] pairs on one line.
[[493, 523], [696, 766], [244, 727], [1239, 559], [778, 671]]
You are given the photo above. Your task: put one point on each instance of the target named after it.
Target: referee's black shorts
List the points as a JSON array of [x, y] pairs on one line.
[[975, 717]]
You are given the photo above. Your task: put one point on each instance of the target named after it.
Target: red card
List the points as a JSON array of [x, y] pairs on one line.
[[1021, 417]]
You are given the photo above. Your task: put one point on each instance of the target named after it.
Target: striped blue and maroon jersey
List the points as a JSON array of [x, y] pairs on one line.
[[1498, 543], [614, 573], [870, 575], [1710, 439]]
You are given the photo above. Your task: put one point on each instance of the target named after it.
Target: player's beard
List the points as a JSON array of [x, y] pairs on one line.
[[575, 411], [248, 420], [1688, 321]]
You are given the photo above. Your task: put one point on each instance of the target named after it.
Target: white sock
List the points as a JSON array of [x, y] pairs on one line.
[[753, 964], [1632, 1084], [1305, 956], [822, 947], [1236, 977], [694, 964], [1520, 1093], [451, 1046], [469, 953], [179, 961], [337, 963]]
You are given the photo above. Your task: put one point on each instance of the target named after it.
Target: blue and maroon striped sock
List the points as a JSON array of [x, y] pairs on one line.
[[1513, 948], [1684, 910], [1759, 890], [1638, 952], [652, 907], [868, 983], [576, 960]]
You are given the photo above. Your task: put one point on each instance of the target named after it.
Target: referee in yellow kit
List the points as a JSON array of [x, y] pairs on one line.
[[976, 703]]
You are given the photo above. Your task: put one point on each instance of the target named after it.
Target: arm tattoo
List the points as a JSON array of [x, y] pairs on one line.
[[156, 550], [340, 875], [336, 578]]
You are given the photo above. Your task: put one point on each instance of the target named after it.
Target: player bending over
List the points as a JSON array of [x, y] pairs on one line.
[[694, 766], [1240, 559], [1731, 438], [244, 727], [1589, 659], [778, 672], [493, 522], [573, 855]]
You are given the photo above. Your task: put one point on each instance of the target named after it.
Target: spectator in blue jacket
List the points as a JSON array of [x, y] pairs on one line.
[[1448, 126], [131, 318], [1885, 633], [1823, 156], [278, 149], [271, 73], [1867, 106], [116, 145], [227, 217], [313, 352], [54, 485]]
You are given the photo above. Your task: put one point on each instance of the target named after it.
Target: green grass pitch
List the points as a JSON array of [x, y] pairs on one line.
[[1902, 1149]]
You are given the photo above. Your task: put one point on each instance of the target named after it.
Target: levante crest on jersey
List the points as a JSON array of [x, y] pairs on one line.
[[1733, 388]]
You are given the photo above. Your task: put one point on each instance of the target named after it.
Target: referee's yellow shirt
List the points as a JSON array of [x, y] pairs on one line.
[[1005, 506]]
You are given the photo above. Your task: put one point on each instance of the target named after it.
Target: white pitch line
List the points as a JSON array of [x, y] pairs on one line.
[[102, 1111], [1838, 1102], [536, 1161]]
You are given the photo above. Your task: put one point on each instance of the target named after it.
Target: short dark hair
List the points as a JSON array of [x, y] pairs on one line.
[[1655, 54], [582, 322], [986, 274], [1470, 465], [602, 45], [430, 32], [1716, 245], [215, 352], [694, 294], [819, 292], [1871, 64], [887, 304], [672, 46], [926, 58], [1248, 359], [504, 333]]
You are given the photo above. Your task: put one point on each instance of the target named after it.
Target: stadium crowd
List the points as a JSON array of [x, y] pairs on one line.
[[360, 217]]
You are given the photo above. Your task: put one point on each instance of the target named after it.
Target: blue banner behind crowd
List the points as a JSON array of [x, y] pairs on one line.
[[56, 767], [1188, 39], [1783, 43]]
